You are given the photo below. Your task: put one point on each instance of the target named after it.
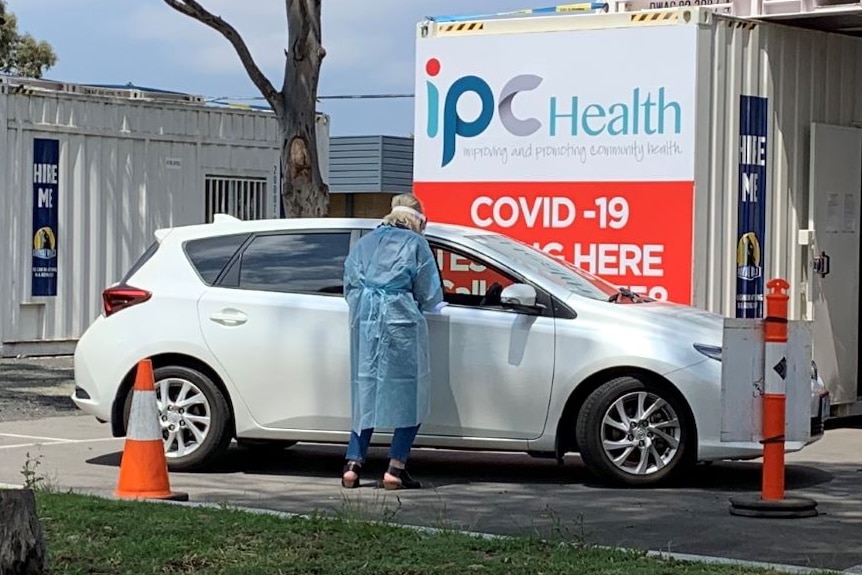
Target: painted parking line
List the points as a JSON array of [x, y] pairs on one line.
[[19, 436], [49, 441]]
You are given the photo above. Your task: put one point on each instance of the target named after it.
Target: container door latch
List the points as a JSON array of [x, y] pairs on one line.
[[821, 264]]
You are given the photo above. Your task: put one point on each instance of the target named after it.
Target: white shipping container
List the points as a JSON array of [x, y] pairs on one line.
[[130, 162], [608, 80], [812, 82]]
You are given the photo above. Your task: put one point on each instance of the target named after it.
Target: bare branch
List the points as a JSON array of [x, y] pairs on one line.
[[193, 9]]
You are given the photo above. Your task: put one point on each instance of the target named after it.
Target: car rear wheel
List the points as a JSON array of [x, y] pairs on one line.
[[194, 417], [634, 433]]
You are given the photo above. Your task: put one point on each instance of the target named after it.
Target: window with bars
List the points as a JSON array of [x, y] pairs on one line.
[[243, 198]]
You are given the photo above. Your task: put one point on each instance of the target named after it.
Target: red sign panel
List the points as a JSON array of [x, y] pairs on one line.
[[463, 275], [632, 234]]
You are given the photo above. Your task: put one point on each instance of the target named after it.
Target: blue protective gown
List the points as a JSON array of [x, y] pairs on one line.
[[390, 279]]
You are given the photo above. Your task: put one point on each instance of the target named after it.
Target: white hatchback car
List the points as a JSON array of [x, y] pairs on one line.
[[247, 329]]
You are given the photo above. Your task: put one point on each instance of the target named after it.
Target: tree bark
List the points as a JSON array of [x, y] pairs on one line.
[[22, 545], [303, 191], [304, 194]]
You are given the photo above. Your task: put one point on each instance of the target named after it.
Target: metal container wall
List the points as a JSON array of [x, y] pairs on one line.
[[127, 168], [807, 76]]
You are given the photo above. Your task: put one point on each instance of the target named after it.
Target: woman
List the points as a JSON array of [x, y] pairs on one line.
[[390, 279]]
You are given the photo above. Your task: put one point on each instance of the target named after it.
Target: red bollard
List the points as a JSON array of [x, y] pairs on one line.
[[772, 503], [775, 390]]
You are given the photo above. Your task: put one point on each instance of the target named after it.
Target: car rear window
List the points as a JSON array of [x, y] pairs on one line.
[[209, 256], [145, 257]]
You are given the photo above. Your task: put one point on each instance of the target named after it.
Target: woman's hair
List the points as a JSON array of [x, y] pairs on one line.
[[406, 211]]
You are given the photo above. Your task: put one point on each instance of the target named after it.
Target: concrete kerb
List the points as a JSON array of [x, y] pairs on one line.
[[664, 555]]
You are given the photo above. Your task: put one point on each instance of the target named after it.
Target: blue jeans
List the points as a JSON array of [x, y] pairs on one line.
[[402, 442]]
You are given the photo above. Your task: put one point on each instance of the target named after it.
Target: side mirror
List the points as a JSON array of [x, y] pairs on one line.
[[521, 297]]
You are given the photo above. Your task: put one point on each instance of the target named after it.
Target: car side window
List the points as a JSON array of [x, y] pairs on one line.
[[466, 281], [303, 262]]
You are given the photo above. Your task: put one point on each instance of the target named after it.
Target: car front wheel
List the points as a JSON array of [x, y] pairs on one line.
[[193, 415], [635, 433]]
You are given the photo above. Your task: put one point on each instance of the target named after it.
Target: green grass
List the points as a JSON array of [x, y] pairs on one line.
[[89, 535]]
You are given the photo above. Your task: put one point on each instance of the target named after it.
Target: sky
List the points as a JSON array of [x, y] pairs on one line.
[[369, 44]]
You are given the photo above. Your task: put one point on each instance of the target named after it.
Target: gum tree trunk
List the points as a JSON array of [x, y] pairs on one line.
[[22, 546], [303, 191]]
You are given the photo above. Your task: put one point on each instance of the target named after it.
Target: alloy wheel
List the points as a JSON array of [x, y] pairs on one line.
[[641, 433], [185, 415]]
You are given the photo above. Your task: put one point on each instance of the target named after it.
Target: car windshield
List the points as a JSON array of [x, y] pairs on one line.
[[549, 267]]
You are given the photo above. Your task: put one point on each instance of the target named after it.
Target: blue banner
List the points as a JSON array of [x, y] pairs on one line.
[[751, 206], [46, 188]]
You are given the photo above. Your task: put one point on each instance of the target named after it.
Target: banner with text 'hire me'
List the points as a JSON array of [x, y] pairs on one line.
[[578, 142]]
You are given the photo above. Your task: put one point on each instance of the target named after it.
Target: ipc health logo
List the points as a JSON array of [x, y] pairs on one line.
[[454, 125], [647, 111]]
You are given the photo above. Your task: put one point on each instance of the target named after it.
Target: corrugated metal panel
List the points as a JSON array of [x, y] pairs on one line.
[[8, 227], [398, 147], [360, 188], [807, 77], [355, 164], [127, 168], [398, 164], [371, 164]]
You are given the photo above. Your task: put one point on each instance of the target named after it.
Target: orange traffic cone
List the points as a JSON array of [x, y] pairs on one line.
[[143, 467]]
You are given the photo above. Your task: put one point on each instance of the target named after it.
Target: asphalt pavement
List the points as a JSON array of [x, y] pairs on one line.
[[33, 388], [491, 493]]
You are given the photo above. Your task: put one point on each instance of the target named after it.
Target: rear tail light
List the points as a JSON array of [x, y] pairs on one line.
[[120, 297]]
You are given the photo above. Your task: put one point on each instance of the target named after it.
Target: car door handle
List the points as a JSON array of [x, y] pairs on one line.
[[229, 317]]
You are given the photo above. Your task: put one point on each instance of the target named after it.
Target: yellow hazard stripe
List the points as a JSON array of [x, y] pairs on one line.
[[654, 16], [584, 7], [463, 27]]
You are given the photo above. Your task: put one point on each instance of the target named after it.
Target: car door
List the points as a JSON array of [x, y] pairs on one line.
[[492, 368], [277, 323]]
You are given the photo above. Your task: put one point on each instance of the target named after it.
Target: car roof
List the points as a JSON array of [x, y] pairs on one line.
[[226, 224]]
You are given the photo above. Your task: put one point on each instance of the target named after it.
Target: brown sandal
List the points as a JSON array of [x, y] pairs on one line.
[[351, 466], [403, 480]]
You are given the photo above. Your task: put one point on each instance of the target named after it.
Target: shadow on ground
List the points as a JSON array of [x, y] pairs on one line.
[[515, 494], [440, 468]]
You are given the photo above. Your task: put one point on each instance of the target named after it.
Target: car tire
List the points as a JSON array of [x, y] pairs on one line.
[[220, 430], [667, 446]]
